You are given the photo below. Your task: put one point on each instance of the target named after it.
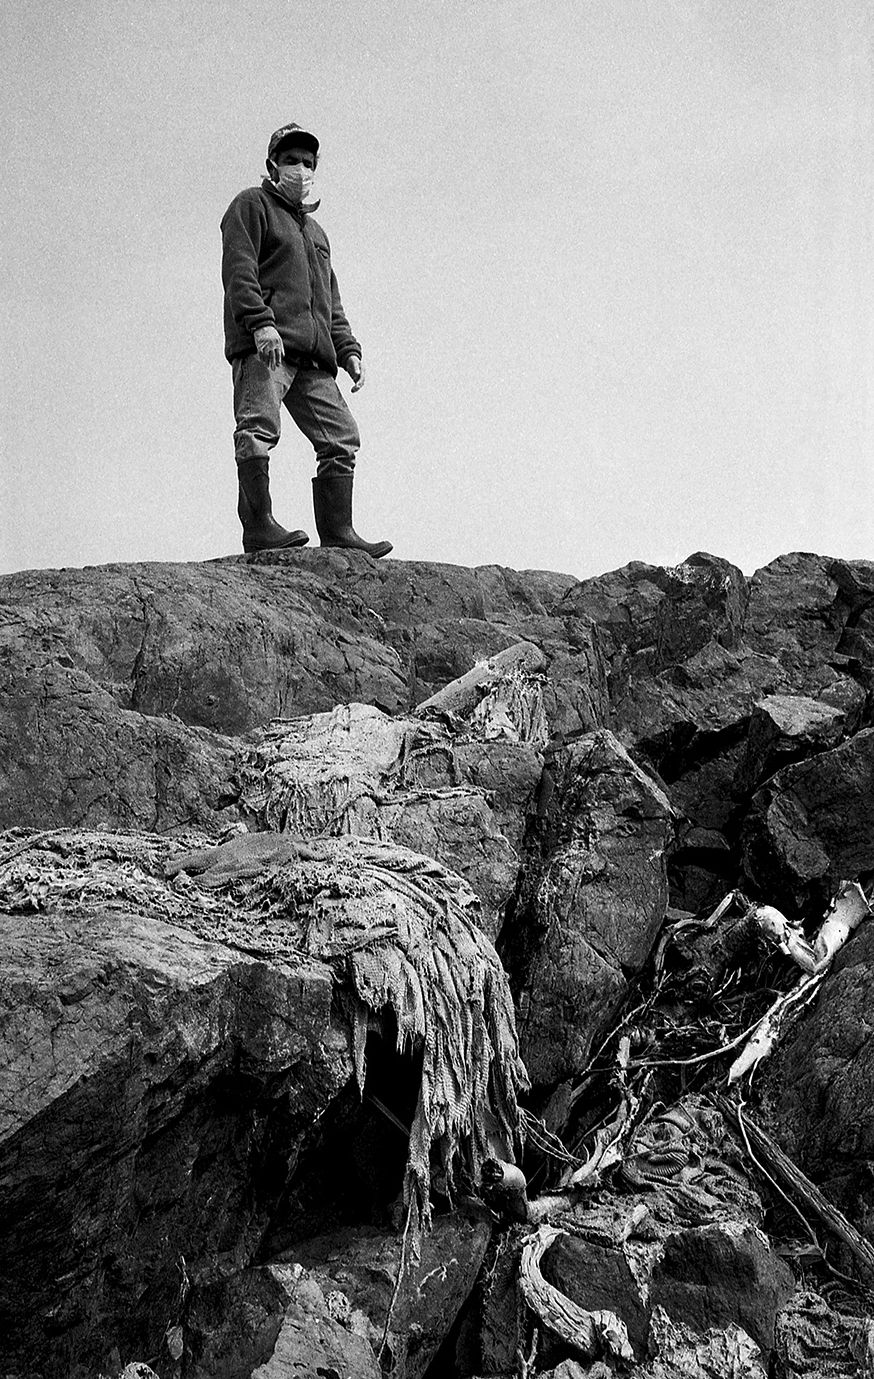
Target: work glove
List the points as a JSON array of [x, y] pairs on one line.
[[268, 343]]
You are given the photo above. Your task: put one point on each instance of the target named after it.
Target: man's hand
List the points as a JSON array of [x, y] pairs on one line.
[[355, 370], [268, 343]]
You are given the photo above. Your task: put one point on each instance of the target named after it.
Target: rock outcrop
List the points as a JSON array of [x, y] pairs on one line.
[[212, 1094], [154, 1086]]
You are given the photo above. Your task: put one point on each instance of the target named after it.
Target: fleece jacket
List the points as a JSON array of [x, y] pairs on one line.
[[276, 270]]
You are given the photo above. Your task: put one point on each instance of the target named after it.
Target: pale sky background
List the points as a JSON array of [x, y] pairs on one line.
[[610, 262]]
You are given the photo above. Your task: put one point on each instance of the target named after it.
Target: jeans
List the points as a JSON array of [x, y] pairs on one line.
[[314, 401]]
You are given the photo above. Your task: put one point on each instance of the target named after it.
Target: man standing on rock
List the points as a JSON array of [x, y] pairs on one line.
[[286, 334]]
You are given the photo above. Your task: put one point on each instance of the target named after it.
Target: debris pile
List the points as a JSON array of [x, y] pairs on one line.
[[454, 787]]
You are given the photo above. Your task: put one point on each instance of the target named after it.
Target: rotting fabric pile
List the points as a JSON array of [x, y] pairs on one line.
[[267, 1107]]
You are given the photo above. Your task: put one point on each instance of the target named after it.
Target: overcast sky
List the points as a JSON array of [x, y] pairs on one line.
[[610, 262]]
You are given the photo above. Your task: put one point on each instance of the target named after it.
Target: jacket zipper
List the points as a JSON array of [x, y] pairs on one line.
[[309, 252]]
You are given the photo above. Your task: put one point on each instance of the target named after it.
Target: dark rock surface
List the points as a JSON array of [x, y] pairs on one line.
[[363, 1265], [716, 1275], [274, 1322], [692, 650], [797, 613], [70, 756], [153, 1087], [785, 728], [672, 660], [812, 824], [111, 676], [591, 909], [667, 614], [818, 1088]]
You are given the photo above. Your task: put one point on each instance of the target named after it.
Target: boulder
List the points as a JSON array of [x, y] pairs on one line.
[[575, 695], [671, 659], [667, 612], [855, 580], [812, 825], [507, 774], [801, 608], [153, 1086], [795, 615], [221, 645], [713, 1276], [274, 1323], [691, 722], [197, 1072], [69, 756], [126, 686], [229, 644], [785, 728], [310, 1343], [690, 650], [364, 1265], [592, 906], [817, 1087]]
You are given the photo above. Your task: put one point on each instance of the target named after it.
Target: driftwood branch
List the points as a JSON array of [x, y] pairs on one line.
[[460, 696], [586, 1330], [791, 1177]]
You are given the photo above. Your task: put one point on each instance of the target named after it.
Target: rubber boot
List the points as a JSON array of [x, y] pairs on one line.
[[261, 531], [332, 504]]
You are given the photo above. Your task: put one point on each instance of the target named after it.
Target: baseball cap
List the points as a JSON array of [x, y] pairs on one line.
[[292, 134]]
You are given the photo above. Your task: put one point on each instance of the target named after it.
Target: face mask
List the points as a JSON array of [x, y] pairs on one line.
[[296, 185]]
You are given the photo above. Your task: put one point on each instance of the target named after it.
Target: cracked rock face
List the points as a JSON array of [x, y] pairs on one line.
[[143, 677], [593, 906], [723, 1274], [71, 756], [785, 728], [154, 1086], [126, 688], [355, 1271], [812, 825], [818, 1088]]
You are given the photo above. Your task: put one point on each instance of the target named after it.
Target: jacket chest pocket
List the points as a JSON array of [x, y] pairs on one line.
[[322, 267]]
